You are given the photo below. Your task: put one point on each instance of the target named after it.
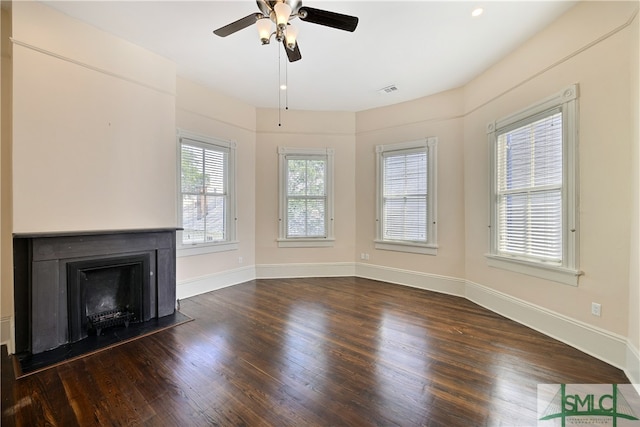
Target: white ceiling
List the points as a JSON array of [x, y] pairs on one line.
[[422, 47]]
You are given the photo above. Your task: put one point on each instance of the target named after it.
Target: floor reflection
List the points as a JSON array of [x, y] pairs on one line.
[[401, 367], [304, 350]]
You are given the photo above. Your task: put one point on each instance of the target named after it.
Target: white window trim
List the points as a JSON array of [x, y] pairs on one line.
[[431, 247], [231, 243], [567, 273], [304, 242]]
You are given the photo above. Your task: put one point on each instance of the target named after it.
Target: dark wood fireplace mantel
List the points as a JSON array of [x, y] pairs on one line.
[[41, 285]]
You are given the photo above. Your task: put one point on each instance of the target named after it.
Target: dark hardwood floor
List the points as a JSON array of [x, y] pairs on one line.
[[311, 352]]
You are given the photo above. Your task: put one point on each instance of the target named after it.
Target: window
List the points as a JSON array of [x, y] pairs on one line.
[[406, 197], [533, 190], [207, 194], [306, 199]]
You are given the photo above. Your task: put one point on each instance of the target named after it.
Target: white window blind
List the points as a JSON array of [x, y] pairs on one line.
[[404, 197], [205, 195], [529, 188], [306, 196], [305, 208]]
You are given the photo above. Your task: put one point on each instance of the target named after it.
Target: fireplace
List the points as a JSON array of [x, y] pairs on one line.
[[75, 286]]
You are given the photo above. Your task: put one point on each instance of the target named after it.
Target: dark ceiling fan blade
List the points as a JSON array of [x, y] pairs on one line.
[[328, 19], [293, 55], [238, 25]]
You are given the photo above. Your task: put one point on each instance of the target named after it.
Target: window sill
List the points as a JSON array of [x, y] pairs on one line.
[[305, 243], [414, 248], [558, 274], [205, 248]]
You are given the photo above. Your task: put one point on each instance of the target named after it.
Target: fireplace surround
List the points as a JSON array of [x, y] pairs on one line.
[[65, 281]]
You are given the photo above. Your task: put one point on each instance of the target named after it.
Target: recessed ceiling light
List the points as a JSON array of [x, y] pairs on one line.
[[283, 87], [477, 11]]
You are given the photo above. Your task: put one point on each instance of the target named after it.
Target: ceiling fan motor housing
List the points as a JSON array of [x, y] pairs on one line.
[[266, 6]]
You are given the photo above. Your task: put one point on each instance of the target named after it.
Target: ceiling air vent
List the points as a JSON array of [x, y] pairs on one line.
[[388, 89]]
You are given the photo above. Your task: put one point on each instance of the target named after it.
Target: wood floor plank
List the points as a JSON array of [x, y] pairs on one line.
[[312, 352]]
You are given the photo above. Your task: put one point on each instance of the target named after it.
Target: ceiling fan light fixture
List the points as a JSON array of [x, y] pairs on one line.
[[264, 29], [280, 12], [291, 36], [283, 12]]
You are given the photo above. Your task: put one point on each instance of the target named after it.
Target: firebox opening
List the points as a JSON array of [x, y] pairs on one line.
[[106, 292], [112, 295]]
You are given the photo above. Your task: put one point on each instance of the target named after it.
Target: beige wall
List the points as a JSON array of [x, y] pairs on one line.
[[440, 116], [590, 46], [304, 129], [204, 112], [93, 128], [6, 258], [634, 252]]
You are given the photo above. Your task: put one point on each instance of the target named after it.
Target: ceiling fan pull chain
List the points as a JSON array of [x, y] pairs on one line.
[[279, 96]]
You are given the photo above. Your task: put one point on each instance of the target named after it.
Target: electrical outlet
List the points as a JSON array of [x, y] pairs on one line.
[[240, 260], [366, 256], [362, 255], [596, 309]]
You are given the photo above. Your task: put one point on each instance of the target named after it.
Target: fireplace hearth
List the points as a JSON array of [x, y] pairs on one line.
[[74, 287]]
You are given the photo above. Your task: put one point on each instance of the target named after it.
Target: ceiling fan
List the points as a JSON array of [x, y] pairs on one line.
[[281, 12]]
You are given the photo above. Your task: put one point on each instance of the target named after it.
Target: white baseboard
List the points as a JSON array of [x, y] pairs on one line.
[[633, 366], [326, 269], [604, 345], [6, 333], [430, 282], [211, 282]]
